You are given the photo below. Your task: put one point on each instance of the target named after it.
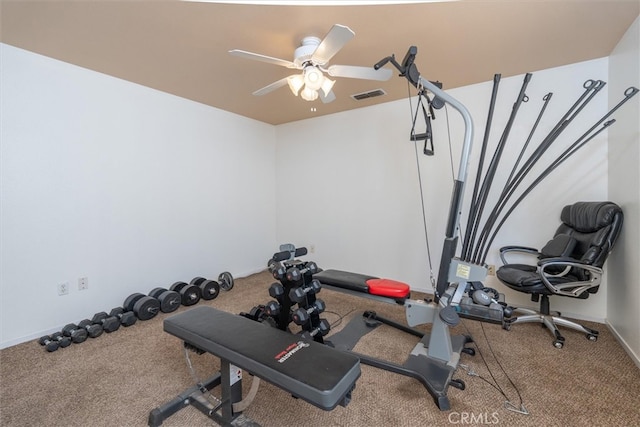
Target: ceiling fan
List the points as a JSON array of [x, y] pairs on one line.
[[312, 58]]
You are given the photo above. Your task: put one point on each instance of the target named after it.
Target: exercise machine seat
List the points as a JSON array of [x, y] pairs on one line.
[[363, 283]]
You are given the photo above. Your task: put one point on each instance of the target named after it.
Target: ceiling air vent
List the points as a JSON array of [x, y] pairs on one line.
[[370, 94]]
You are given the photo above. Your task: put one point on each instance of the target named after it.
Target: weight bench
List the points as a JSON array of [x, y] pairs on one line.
[[372, 287], [316, 373]]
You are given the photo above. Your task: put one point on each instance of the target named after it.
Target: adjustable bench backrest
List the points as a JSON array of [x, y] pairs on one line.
[[321, 375]]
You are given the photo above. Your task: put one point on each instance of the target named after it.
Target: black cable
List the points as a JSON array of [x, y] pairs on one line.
[[495, 385], [340, 316], [424, 213]]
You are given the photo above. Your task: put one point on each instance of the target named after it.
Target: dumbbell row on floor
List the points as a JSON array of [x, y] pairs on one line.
[[139, 306], [99, 323], [165, 300]]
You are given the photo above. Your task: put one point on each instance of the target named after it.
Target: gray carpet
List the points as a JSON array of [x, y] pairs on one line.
[[116, 379]]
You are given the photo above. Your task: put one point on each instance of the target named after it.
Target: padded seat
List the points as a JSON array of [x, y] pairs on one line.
[[569, 265], [362, 283]]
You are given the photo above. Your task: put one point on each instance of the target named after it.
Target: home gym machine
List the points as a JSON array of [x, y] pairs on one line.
[[434, 360]]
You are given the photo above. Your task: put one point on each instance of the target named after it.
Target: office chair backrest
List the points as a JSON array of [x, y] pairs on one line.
[[595, 226]]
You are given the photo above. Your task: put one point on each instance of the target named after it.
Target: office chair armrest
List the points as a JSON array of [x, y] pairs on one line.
[[517, 249], [570, 289]]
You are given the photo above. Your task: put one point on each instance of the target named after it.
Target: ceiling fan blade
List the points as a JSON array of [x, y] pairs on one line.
[[270, 88], [335, 39], [367, 73], [263, 58], [327, 99]]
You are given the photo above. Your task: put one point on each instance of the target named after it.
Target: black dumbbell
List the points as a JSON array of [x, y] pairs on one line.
[[300, 293], [225, 280], [144, 307], [278, 271], [295, 274], [209, 289], [302, 315], [276, 290], [49, 344], [169, 300], [61, 339], [94, 330], [109, 323], [76, 334], [272, 308], [257, 313], [127, 318], [189, 294], [322, 329]]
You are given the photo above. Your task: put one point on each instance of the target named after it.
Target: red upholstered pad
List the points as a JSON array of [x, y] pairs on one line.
[[388, 288]]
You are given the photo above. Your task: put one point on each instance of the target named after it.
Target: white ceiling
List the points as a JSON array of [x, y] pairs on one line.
[[182, 47]]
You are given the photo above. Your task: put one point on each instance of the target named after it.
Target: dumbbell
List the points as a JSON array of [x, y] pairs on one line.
[[302, 315], [278, 271], [49, 344], [189, 294], [76, 334], [295, 274], [61, 339], [126, 318], [300, 293], [209, 289], [276, 290], [109, 323], [144, 307], [169, 300], [256, 313], [94, 330], [322, 329], [272, 308]]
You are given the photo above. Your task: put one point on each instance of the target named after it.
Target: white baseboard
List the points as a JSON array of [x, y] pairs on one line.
[[623, 343]]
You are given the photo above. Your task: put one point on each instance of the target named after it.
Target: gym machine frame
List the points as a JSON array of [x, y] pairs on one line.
[[435, 358]]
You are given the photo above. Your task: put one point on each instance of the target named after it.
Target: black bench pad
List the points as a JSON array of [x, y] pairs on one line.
[[320, 375], [364, 283]]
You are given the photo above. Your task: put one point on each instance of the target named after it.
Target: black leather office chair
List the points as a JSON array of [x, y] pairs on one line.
[[569, 265]]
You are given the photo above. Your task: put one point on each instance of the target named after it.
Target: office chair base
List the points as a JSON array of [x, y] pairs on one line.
[[552, 323]]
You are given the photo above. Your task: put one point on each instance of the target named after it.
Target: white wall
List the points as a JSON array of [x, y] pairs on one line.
[[128, 186], [347, 183], [624, 186]]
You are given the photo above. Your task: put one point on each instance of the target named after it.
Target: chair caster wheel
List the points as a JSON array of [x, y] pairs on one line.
[[468, 350], [506, 326], [592, 337], [558, 344], [459, 384]]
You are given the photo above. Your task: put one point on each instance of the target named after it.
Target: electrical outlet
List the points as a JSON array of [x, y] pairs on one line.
[[63, 288], [83, 283], [312, 248], [491, 270]]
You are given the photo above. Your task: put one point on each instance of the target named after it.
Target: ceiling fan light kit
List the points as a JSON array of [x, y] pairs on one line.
[[311, 57]]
